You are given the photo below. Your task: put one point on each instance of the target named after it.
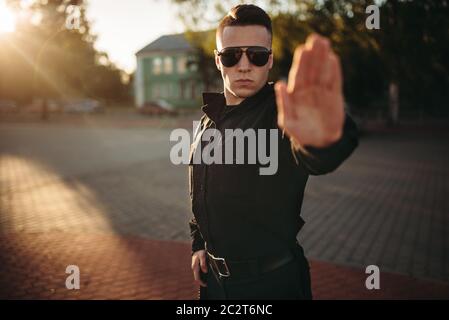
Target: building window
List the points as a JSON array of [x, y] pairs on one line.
[[168, 65], [181, 65], [193, 64], [157, 66]]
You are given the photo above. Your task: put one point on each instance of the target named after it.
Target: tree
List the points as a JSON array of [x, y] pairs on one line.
[[204, 44], [402, 65], [53, 56]]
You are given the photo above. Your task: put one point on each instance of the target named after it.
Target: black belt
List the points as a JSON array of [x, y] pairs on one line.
[[241, 269]]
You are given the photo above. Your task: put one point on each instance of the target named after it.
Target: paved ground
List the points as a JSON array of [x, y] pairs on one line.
[[124, 267], [105, 196]]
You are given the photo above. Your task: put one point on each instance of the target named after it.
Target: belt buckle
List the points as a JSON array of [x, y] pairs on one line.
[[214, 259]]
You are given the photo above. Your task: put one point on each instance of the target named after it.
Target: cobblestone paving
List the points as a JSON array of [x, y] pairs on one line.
[[387, 205]]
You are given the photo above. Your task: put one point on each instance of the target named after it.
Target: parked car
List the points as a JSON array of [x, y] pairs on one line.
[[158, 108], [83, 106], [36, 106]]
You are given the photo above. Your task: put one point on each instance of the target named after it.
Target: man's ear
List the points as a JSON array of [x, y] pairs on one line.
[[270, 61], [217, 62]]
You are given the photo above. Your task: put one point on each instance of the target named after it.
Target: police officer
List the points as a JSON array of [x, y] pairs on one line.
[[244, 224]]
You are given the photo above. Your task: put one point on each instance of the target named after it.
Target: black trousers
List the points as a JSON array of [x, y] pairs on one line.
[[288, 282]]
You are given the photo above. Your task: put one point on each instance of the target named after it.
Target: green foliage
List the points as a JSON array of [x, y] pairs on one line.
[[204, 45], [410, 48]]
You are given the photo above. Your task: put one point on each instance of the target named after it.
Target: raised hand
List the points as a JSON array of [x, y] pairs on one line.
[[310, 106]]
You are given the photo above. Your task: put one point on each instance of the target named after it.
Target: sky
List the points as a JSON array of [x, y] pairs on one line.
[[122, 27], [125, 26]]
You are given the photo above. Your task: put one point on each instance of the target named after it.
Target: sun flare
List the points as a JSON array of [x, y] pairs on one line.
[[7, 18]]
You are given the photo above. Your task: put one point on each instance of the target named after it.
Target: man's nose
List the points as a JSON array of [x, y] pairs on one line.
[[244, 65]]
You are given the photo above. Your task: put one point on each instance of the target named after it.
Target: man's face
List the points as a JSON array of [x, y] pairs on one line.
[[244, 79]]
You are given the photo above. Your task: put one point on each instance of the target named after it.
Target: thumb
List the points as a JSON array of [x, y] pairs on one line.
[[281, 100]]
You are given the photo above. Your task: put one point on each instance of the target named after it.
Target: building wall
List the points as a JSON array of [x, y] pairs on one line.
[[167, 76], [139, 92]]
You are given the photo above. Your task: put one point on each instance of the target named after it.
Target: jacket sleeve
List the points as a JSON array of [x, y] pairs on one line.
[[319, 161], [196, 237], [198, 242]]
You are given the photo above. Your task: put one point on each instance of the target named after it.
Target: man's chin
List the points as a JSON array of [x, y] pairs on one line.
[[244, 92]]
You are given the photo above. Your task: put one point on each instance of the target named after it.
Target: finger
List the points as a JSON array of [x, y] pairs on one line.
[[198, 280], [194, 262], [297, 77], [319, 47], [327, 73], [286, 114], [280, 89], [197, 277], [311, 39], [335, 83], [203, 264]]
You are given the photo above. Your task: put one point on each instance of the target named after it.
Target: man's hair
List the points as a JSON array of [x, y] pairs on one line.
[[245, 15]]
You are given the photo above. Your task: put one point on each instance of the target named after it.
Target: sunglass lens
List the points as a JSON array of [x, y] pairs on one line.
[[230, 57], [259, 57]]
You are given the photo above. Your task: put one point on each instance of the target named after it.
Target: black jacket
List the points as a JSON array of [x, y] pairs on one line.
[[239, 213]]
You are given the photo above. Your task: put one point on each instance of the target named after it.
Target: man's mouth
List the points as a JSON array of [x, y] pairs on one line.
[[244, 81]]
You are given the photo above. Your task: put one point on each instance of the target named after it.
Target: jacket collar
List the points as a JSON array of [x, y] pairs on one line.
[[214, 103]]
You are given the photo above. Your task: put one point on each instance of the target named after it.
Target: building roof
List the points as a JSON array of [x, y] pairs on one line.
[[167, 43]]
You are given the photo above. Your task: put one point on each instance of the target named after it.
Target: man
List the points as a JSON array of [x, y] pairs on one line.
[[244, 224]]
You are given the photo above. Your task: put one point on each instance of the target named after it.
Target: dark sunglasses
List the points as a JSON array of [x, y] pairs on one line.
[[230, 56]]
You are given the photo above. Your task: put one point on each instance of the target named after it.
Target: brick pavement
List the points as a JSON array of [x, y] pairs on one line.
[[119, 267], [387, 205]]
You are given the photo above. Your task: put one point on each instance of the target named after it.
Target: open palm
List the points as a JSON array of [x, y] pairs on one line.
[[310, 106]]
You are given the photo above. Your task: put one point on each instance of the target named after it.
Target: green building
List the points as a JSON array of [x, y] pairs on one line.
[[167, 72]]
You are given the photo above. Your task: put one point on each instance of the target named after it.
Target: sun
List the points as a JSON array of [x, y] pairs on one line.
[[7, 19]]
